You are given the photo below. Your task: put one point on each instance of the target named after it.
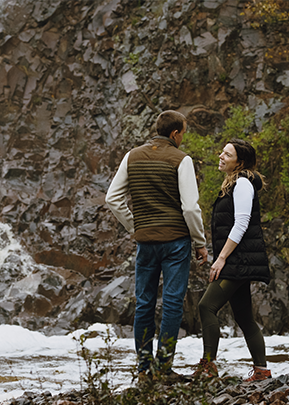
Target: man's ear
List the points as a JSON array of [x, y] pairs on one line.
[[174, 133]]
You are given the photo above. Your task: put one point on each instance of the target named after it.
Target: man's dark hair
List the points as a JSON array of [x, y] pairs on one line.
[[169, 121]]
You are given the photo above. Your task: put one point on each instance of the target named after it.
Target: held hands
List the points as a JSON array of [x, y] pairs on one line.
[[216, 269], [202, 253]]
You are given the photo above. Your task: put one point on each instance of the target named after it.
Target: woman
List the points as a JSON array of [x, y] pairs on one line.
[[239, 258]]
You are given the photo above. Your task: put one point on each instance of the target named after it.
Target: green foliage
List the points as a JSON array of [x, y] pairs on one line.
[[133, 61], [222, 77], [205, 153], [37, 100], [238, 125], [272, 149], [134, 21], [150, 391], [99, 369], [158, 393], [284, 144], [133, 58]]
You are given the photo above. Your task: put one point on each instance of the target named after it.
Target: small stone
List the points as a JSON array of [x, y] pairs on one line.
[[278, 402], [129, 82], [239, 401], [239, 82], [284, 78], [222, 399], [277, 396], [185, 36], [211, 4], [204, 43], [256, 397]]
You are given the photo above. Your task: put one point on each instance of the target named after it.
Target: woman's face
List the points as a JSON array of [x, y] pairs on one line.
[[228, 159]]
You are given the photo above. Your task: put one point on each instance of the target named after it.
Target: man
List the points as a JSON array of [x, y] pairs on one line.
[[166, 218]]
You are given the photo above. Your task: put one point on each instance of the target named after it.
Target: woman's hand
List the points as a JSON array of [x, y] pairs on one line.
[[220, 262], [216, 268]]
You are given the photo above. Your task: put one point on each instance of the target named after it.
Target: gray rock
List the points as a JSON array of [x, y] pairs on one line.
[[163, 24], [252, 38], [213, 4], [239, 82], [235, 69], [222, 399], [185, 36], [260, 86], [156, 76], [159, 60], [73, 308], [229, 13], [215, 67], [284, 78], [129, 82], [4, 239], [276, 262], [96, 59], [177, 15], [118, 286], [43, 11], [239, 401], [283, 378], [223, 33], [8, 306], [87, 229], [264, 111], [204, 43], [139, 49], [259, 71], [26, 36], [103, 17], [29, 284]]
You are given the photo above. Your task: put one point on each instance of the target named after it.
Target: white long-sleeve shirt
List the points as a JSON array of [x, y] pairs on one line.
[[243, 195], [189, 196]]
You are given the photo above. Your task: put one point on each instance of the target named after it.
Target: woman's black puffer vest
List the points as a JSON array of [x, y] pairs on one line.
[[249, 260]]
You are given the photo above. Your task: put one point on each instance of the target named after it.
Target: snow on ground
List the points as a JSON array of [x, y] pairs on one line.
[[32, 361]]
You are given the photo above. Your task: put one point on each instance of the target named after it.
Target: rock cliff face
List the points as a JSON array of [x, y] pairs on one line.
[[82, 82]]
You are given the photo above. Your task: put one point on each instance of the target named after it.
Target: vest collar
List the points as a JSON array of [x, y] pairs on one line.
[[165, 138]]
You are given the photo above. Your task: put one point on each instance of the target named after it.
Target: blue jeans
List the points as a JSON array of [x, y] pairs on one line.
[[173, 259]]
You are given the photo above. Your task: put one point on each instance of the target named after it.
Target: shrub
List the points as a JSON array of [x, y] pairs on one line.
[[272, 148], [100, 390], [267, 12]]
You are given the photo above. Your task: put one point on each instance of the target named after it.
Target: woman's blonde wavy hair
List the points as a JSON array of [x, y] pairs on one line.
[[246, 159]]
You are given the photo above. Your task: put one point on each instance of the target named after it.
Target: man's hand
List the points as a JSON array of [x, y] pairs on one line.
[[202, 253]]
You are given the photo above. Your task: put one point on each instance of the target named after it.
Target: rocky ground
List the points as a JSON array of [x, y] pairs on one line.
[[219, 391]]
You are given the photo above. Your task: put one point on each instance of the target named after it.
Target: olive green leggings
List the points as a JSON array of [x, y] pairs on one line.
[[239, 296]]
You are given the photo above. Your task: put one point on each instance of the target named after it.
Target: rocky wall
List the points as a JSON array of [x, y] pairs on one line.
[[82, 82]]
